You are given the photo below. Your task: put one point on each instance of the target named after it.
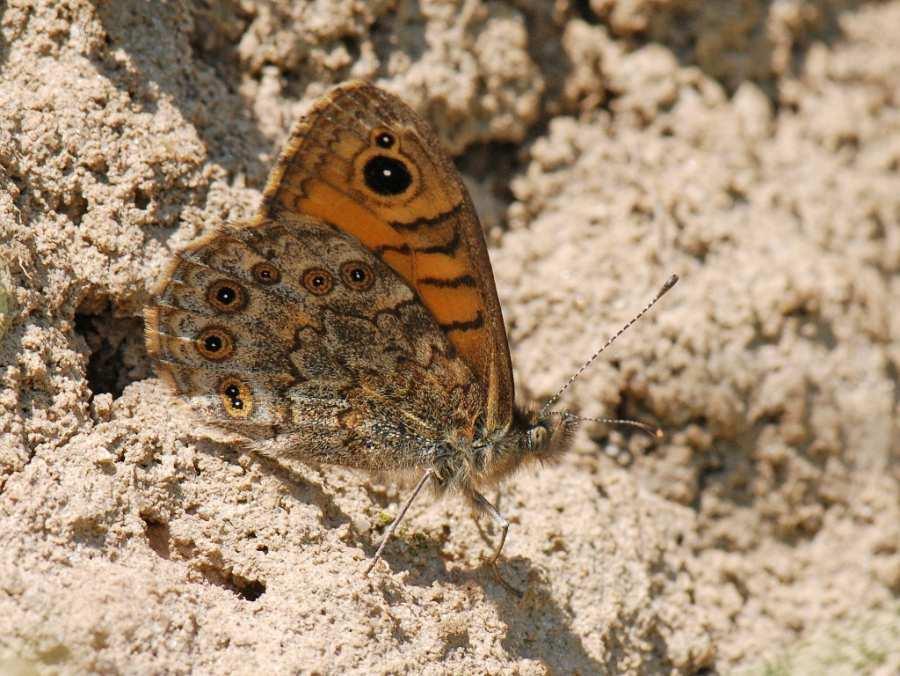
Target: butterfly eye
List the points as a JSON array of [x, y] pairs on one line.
[[386, 175], [357, 275], [385, 140], [265, 273], [237, 398], [537, 438], [318, 281], [215, 344], [226, 296]]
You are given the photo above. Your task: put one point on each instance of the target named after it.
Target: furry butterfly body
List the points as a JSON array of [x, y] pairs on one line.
[[355, 321]]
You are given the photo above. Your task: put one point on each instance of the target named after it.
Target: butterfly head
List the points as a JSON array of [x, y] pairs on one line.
[[543, 436]]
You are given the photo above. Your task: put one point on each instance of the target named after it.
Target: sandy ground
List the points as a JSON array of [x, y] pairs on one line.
[[753, 148]]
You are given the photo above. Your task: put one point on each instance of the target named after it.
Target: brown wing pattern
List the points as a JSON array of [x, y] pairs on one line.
[[365, 162], [296, 337]]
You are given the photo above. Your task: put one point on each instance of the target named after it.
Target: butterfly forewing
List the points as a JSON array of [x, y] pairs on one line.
[[365, 162]]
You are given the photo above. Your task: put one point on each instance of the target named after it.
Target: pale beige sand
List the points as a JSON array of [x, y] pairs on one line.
[[754, 151]]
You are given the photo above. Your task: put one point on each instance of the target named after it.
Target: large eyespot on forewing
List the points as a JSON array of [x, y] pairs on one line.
[[386, 175]]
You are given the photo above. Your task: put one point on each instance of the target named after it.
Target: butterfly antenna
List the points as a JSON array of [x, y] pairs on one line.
[[654, 432], [670, 282]]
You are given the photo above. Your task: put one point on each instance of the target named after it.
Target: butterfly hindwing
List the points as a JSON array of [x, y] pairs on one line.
[[293, 334]]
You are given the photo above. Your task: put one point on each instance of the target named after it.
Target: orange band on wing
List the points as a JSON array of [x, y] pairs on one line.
[[335, 207]]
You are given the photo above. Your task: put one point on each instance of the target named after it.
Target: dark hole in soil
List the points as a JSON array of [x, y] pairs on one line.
[[118, 357], [247, 589]]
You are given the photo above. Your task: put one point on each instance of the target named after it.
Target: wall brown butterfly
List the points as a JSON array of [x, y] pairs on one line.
[[355, 320]]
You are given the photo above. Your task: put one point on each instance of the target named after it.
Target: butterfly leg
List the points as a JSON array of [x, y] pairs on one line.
[[482, 503], [396, 522]]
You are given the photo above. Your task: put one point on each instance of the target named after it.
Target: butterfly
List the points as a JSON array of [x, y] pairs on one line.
[[355, 320]]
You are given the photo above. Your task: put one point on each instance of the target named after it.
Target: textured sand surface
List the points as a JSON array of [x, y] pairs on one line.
[[753, 148]]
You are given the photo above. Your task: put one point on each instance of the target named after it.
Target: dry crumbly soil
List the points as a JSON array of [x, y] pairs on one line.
[[753, 148]]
